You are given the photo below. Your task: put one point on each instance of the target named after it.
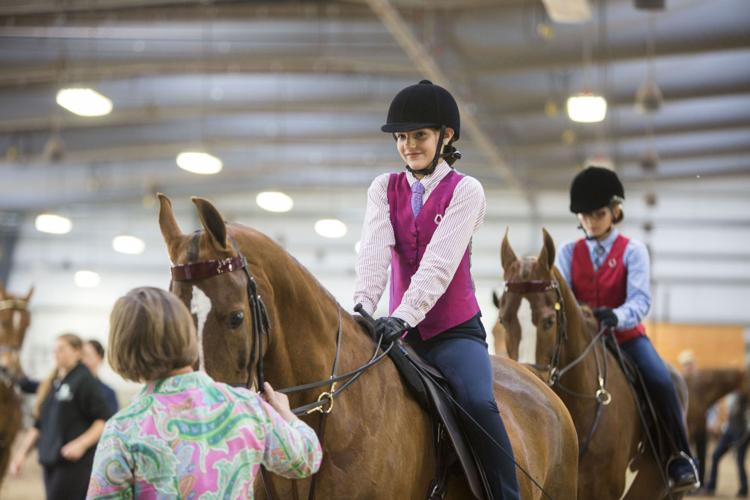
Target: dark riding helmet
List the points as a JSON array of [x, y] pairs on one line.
[[593, 188], [424, 105]]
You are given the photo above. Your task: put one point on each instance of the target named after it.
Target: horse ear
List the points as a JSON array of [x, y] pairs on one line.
[[495, 299], [29, 294], [170, 231], [2, 290], [547, 255], [212, 222], [507, 255]]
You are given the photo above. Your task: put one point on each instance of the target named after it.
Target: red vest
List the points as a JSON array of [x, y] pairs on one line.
[[606, 287], [458, 303]]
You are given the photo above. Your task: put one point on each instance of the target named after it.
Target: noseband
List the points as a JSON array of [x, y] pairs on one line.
[[261, 329], [602, 396], [543, 286]]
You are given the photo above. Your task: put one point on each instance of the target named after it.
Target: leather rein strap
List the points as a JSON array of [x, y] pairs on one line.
[[260, 329], [602, 396]]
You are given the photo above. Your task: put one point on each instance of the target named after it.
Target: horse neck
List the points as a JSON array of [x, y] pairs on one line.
[[305, 320], [583, 376]]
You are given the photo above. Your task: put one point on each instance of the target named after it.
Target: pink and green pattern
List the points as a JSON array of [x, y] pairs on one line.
[[190, 437]]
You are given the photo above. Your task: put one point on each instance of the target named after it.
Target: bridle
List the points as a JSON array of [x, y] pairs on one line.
[[7, 375], [200, 270], [554, 372]]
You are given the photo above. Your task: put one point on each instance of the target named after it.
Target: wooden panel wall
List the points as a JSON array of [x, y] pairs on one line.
[[714, 346]]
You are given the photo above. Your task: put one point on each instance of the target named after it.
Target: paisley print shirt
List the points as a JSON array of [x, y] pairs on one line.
[[190, 437]]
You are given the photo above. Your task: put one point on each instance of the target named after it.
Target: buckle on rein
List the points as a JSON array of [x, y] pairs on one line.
[[325, 398]]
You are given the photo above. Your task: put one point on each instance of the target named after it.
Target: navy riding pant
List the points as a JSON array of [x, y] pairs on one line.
[[660, 387], [461, 355]]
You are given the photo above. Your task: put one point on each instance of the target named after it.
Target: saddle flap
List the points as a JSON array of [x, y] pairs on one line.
[[429, 388]]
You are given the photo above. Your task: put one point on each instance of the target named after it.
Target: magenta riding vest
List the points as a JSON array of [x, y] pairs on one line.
[[606, 287], [458, 304]]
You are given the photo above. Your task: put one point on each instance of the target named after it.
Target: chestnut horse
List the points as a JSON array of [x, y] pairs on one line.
[[705, 388], [378, 441], [14, 320], [562, 349]]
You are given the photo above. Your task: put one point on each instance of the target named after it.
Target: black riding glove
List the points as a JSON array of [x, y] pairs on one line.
[[606, 316], [390, 328]]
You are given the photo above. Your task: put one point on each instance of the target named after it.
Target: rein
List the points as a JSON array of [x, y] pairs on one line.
[[261, 329], [602, 396]]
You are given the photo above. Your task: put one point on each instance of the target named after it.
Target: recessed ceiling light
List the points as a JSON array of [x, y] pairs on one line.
[[87, 279], [199, 163], [274, 201], [129, 244], [53, 224], [84, 102], [330, 228]]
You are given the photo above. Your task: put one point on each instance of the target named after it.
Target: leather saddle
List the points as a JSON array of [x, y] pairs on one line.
[[658, 436], [431, 391]]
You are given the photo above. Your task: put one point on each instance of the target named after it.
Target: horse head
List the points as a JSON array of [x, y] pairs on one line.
[[258, 313], [15, 319], [207, 275], [534, 280]]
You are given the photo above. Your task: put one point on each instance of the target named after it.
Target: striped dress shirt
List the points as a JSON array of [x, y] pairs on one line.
[[461, 220]]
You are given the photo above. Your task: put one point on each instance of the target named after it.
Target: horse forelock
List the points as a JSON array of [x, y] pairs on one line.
[[527, 267]]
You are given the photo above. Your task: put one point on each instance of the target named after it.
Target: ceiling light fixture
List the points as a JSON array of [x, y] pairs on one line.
[[330, 228], [274, 201], [87, 279], [587, 107], [52, 224], [199, 163], [128, 244], [84, 102]]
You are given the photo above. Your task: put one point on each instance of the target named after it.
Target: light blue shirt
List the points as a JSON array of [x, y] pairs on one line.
[[636, 260]]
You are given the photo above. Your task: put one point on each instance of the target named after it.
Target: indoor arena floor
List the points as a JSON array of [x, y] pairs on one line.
[[28, 485]]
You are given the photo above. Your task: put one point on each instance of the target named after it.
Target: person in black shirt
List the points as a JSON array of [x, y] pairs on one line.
[[92, 356], [735, 435], [70, 413]]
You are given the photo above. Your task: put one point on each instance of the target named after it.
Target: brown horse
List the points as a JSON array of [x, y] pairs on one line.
[[705, 388], [14, 320], [377, 442], [562, 344]]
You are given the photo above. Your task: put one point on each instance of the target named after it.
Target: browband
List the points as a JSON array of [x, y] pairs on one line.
[[207, 268]]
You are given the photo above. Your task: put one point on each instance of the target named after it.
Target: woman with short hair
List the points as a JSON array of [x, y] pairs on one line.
[[185, 435], [69, 418]]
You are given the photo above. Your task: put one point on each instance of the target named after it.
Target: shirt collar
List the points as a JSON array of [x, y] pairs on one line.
[[606, 242], [430, 181], [177, 383]]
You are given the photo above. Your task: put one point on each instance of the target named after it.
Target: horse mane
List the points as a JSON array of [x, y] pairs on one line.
[[579, 313], [257, 237]]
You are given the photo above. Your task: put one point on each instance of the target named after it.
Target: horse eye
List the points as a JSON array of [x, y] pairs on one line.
[[236, 319], [547, 323]]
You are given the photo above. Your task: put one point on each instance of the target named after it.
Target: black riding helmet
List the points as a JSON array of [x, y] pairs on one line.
[[594, 188], [425, 105]]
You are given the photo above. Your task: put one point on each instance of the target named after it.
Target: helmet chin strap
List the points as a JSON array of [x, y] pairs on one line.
[[435, 159], [591, 237]]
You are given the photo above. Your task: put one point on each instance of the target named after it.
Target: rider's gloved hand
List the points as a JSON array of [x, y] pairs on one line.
[[606, 316], [390, 328]]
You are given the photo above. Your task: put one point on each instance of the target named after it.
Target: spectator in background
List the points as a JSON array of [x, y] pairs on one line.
[[69, 418], [735, 435], [166, 442], [92, 357], [686, 359]]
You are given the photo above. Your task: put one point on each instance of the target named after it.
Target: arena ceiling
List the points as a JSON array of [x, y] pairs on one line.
[[291, 95]]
